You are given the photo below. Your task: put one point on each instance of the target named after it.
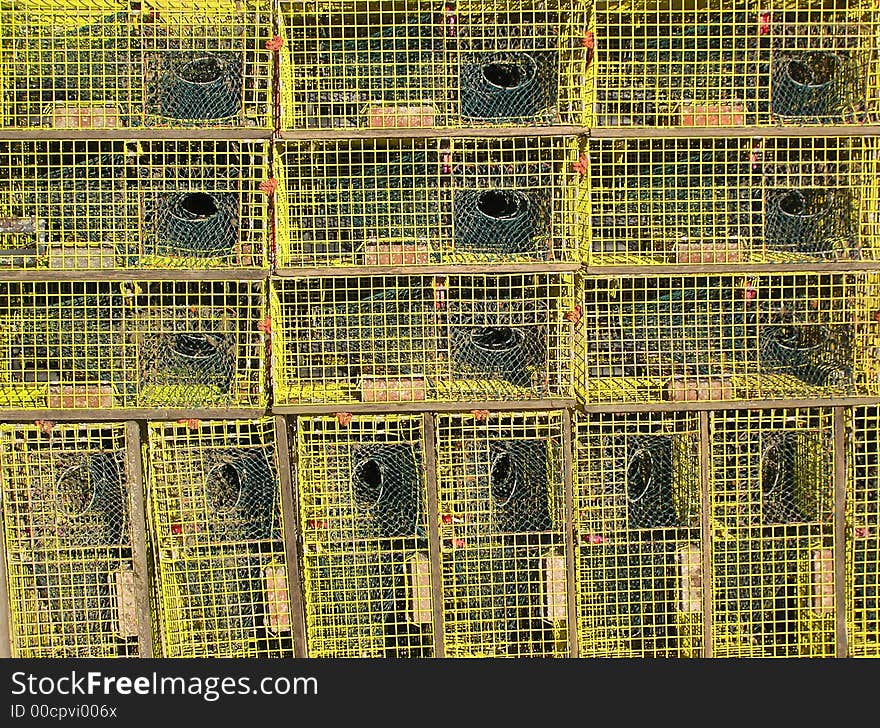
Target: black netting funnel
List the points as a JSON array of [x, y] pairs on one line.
[[498, 339], [808, 84], [240, 494], [197, 224], [497, 87], [205, 87], [90, 501], [500, 220], [196, 352], [518, 485], [385, 485], [804, 220], [779, 478], [649, 476], [793, 344]]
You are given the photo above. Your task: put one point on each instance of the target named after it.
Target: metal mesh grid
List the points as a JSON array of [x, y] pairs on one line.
[[406, 202], [772, 551], [215, 520], [500, 485], [720, 337], [449, 338], [726, 63], [429, 63], [366, 570], [738, 200], [637, 529], [863, 544], [89, 205], [68, 544], [115, 345], [868, 336], [106, 64]]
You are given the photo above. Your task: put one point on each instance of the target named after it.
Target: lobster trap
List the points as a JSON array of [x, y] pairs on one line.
[[863, 540], [721, 337], [109, 65], [100, 345], [423, 63], [92, 205], [771, 507], [67, 530], [736, 200], [638, 540], [366, 569], [725, 64], [215, 521], [420, 338], [422, 201], [502, 547]]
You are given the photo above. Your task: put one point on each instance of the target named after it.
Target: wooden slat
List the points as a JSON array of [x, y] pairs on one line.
[[670, 269], [5, 627], [119, 415], [570, 564], [761, 404], [138, 521], [132, 135], [129, 274], [824, 130], [840, 482], [358, 271], [430, 133], [292, 545], [380, 407], [429, 453], [705, 462]]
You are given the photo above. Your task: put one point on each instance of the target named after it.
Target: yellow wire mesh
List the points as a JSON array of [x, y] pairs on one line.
[[863, 547], [723, 337], [736, 200], [772, 551], [868, 336], [421, 63], [91, 205], [68, 542], [418, 201], [106, 64], [500, 485], [216, 526], [78, 345], [723, 63], [362, 504], [637, 528], [420, 338]]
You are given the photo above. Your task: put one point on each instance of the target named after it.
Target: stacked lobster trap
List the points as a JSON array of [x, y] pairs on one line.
[[124, 64], [443, 338], [67, 495], [387, 202], [96, 205], [719, 63], [367, 584], [638, 540], [863, 539], [749, 561], [718, 337], [423, 63], [771, 503], [732, 200], [502, 524], [216, 528], [130, 344]]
